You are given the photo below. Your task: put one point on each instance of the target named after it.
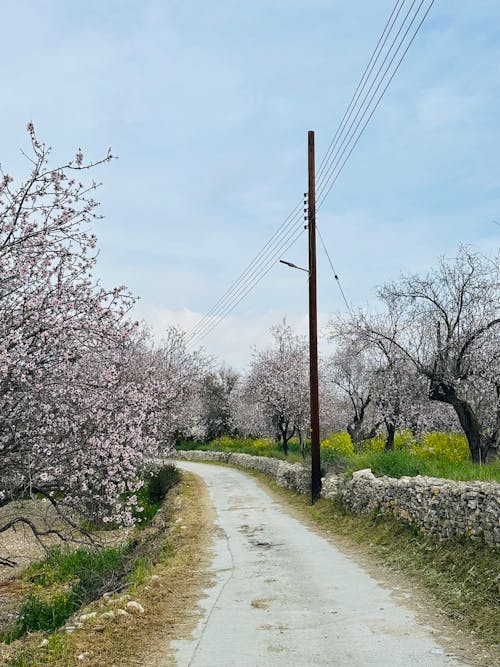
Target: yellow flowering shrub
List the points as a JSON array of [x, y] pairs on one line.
[[375, 444], [339, 443], [437, 445], [404, 440], [262, 443]]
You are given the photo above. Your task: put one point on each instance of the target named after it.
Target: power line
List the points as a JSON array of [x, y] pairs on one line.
[[261, 256], [350, 139], [362, 82], [339, 151], [215, 321], [327, 185], [243, 288], [335, 274]]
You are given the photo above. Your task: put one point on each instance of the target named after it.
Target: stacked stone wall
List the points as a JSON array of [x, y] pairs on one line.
[[435, 506], [439, 507]]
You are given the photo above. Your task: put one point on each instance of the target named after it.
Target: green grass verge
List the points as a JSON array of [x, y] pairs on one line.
[[66, 579], [261, 447], [402, 463]]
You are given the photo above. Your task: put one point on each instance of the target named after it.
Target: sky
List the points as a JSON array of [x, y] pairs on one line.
[[208, 105]]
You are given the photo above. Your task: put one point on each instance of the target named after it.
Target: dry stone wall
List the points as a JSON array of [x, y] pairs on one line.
[[439, 507], [288, 475]]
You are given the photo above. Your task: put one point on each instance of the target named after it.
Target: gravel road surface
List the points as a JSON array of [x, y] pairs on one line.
[[285, 596]]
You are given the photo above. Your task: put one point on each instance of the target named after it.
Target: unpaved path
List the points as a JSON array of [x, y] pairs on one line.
[[285, 596]]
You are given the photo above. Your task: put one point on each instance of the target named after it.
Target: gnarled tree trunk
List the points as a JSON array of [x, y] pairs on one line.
[[391, 432], [478, 445]]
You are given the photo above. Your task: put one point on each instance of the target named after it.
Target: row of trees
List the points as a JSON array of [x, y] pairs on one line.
[[430, 359], [86, 399]]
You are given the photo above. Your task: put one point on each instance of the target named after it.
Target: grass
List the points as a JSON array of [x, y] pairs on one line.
[[254, 447], [56, 652], [150, 496], [167, 584], [87, 566], [402, 463], [67, 579], [64, 581]]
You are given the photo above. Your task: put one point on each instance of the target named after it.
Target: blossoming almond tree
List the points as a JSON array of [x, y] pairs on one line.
[[174, 377], [76, 425], [351, 369], [278, 381], [382, 386]]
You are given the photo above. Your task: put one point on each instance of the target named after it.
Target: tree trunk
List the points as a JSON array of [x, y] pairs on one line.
[[285, 445], [302, 442], [285, 436], [358, 435], [391, 432], [444, 393]]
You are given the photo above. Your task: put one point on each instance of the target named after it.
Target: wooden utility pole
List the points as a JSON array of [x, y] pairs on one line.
[[313, 326]]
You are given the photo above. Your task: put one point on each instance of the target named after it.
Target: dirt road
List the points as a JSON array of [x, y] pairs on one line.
[[285, 596]]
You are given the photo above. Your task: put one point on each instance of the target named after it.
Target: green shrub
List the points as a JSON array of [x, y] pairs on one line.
[[151, 495], [160, 483], [46, 615], [452, 447]]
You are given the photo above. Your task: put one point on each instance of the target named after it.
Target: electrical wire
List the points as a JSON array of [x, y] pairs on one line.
[[362, 82], [335, 274], [257, 279], [341, 147], [334, 172], [262, 269], [252, 266]]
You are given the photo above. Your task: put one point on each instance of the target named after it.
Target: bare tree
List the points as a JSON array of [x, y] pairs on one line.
[[352, 371], [447, 324]]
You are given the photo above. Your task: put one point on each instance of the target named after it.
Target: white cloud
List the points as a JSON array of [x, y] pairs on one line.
[[234, 337]]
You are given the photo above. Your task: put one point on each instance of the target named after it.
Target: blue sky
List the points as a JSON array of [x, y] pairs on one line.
[[208, 106]]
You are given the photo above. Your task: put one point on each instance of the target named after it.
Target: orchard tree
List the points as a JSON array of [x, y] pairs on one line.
[[447, 325], [351, 370], [398, 391], [381, 384], [278, 381], [248, 414], [75, 425], [174, 375], [217, 393]]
